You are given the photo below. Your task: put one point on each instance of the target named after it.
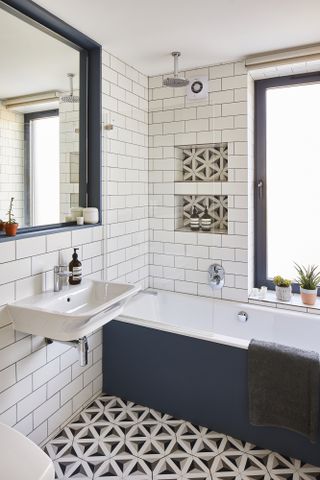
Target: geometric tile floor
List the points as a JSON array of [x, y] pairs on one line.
[[116, 439]]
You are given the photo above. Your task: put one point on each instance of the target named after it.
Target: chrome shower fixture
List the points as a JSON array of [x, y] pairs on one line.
[[175, 81], [216, 275], [71, 98]]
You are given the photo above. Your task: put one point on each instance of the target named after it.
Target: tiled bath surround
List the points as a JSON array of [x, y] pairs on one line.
[[179, 260]]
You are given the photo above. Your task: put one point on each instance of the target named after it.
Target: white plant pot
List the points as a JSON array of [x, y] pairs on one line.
[[308, 297], [283, 293]]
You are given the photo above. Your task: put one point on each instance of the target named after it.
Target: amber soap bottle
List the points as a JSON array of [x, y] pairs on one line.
[[75, 267]]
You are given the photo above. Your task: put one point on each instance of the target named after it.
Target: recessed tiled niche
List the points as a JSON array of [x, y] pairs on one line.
[[203, 163], [217, 206], [201, 170]]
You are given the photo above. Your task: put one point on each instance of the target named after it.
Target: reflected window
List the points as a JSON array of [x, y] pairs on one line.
[[42, 202]]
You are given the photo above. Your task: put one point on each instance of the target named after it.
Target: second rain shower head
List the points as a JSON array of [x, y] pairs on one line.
[[175, 81], [70, 98]]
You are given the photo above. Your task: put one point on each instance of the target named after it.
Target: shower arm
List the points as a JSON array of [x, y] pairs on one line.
[[71, 75], [176, 56]]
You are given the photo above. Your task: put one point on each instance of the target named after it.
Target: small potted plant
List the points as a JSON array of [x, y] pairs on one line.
[[283, 288], [2, 224], [308, 279], [11, 225]]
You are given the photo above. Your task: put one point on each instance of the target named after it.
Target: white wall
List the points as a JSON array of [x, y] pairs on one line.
[[11, 163], [41, 386], [125, 171], [179, 260], [69, 156]]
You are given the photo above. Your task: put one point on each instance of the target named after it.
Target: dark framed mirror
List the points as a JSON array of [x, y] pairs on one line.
[[50, 118]]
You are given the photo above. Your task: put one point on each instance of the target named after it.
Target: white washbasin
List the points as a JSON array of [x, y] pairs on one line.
[[72, 313], [21, 459]]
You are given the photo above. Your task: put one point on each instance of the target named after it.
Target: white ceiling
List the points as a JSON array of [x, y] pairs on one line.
[[32, 61], [144, 32]]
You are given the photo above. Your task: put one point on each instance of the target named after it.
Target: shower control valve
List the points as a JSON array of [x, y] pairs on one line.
[[216, 276]]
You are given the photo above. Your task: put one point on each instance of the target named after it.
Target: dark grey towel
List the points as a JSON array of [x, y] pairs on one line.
[[283, 387]]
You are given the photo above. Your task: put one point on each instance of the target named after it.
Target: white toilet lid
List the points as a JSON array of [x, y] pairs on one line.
[[20, 458]]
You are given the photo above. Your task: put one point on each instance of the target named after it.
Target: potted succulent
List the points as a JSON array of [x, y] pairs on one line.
[[283, 288], [11, 225], [308, 279]]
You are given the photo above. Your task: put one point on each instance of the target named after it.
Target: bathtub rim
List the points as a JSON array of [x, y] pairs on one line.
[[207, 335], [192, 333]]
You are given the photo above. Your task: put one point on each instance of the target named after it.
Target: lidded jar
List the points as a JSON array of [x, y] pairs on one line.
[[91, 215]]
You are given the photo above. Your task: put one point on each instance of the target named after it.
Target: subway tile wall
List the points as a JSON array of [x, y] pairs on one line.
[[42, 386], [179, 260], [125, 171], [11, 162], [69, 156]]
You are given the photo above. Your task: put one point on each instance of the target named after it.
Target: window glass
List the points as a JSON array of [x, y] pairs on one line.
[[45, 177], [292, 177]]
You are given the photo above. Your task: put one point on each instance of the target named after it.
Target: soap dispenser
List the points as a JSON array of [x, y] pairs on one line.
[[194, 220], [75, 267], [206, 221]]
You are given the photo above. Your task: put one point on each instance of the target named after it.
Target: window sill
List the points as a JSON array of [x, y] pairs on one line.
[[25, 233], [294, 304]]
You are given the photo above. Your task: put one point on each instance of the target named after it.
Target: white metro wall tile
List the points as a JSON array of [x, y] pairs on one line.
[[57, 241], [14, 270], [31, 246], [32, 401], [12, 395], [7, 251]]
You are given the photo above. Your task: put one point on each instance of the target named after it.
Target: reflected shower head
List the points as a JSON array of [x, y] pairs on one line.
[[70, 98], [175, 81]]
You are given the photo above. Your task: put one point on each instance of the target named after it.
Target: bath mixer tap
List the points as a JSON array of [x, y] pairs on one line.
[[60, 274], [216, 276]]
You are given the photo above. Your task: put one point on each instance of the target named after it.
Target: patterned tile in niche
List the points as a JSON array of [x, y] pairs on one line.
[[217, 208], [117, 439], [206, 163]]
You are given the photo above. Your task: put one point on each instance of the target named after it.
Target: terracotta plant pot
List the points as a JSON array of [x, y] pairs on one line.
[[2, 224], [308, 297], [11, 229], [283, 293]]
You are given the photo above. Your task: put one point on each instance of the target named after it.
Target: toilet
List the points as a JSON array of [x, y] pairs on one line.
[[21, 459]]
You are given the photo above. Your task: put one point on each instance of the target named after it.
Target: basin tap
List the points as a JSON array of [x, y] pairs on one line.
[[60, 274]]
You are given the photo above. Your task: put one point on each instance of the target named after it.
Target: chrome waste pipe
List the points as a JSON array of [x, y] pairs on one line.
[[81, 344]]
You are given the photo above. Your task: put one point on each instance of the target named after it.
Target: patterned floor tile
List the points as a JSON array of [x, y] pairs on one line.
[[117, 439], [284, 468]]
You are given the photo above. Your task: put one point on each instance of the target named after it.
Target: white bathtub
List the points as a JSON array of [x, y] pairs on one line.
[[217, 320]]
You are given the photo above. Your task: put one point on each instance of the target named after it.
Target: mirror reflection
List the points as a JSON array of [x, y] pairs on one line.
[[39, 124]]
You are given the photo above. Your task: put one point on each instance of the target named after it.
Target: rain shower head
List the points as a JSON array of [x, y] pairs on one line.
[[70, 98], [175, 81]]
